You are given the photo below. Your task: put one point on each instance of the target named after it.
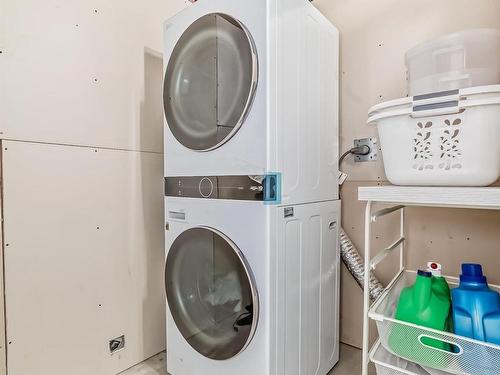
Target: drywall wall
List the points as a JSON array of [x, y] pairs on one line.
[[82, 126], [73, 72], [374, 37], [83, 258]]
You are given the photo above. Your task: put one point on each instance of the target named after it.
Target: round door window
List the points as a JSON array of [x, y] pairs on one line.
[[210, 82], [211, 293]]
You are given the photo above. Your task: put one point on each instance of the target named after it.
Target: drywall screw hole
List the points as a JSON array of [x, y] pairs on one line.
[[6, 244], [5, 148], [468, 238], [100, 305], [95, 150], [98, 227], [10, 342], [95, 10]]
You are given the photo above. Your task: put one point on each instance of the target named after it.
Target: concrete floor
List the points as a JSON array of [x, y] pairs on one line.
[[349, 364]]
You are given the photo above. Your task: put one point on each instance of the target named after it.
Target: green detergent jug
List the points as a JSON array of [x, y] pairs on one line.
[[440, 285], [426, 303], [439, 282]]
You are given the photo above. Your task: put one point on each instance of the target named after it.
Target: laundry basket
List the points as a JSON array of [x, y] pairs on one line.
[[464, 59], [403, 339], [447, 138]]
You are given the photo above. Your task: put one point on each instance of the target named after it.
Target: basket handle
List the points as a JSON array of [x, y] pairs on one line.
[[435, 104], [452, 344]]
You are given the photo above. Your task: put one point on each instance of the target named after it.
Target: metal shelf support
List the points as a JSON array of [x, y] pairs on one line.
[[370, 264]]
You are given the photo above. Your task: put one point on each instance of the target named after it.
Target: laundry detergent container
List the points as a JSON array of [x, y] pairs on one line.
[[476, 307], [464, 59], [449, 138]]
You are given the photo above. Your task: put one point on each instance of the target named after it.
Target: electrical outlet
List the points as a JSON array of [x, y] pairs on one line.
[[116, 344], [370, 142]]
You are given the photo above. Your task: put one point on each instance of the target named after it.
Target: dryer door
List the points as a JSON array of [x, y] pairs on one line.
[[211, 293], [210, 82]]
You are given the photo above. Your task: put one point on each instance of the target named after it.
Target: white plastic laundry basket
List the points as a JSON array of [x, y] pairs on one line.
[[447, 138], [463, 59]]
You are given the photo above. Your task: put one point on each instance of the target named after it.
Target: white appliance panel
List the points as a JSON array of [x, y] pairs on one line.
[[246, 151], [308, 289], [293, 255], [306, 103], [292, 122], [245, 224]]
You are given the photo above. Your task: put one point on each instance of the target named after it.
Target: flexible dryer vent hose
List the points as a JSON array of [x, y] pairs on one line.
[[356, 265]]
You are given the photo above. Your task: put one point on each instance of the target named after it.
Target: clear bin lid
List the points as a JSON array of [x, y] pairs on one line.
[[454, 38]]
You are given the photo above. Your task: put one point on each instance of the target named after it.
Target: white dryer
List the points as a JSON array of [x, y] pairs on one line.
[[251, 288], [251, 87]]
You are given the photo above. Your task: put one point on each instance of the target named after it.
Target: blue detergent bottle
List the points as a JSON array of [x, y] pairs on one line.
[[476, 307]]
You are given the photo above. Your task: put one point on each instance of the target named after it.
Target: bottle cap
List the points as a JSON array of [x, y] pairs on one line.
[[424, 273], [434, 268], [472, 273]]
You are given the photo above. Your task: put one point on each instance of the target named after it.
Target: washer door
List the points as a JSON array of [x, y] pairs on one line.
[[211, 293], [210, 82]]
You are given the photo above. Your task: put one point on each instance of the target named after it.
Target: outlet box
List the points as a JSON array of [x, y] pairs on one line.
[[370, 142], [116, 344]]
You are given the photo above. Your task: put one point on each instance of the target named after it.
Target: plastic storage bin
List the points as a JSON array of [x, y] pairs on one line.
[[469, 357], [464, 59], [443, 139], [388, 364]]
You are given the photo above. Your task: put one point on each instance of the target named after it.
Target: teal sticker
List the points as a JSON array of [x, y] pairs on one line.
[[272, 188]]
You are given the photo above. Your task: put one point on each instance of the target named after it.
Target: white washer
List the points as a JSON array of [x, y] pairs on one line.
[[251, 87], [251, 288]]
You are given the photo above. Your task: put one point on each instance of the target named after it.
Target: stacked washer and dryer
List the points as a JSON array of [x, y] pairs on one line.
[[251, 192]]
